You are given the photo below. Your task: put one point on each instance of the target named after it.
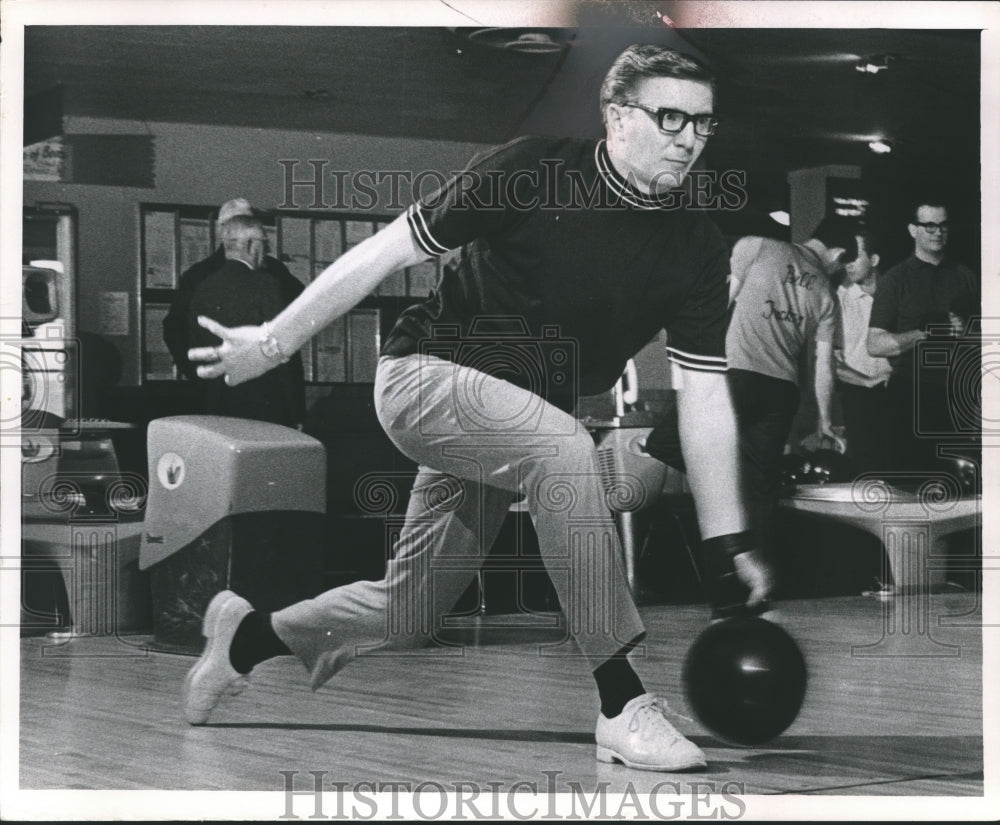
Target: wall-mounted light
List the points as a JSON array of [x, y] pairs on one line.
[[780, 216], [526, 41], [880, 147], [874, 64]]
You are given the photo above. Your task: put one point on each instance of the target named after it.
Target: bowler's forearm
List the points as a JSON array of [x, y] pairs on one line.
[[824, 384], [710, 445]]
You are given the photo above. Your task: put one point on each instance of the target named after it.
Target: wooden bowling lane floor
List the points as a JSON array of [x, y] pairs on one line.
[[894, 708]]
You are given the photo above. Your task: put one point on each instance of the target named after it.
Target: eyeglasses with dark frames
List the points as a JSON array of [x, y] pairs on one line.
[[931, 226], [673, 121]]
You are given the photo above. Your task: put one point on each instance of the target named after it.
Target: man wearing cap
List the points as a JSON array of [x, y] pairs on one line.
[[176, 333], [242, 291]]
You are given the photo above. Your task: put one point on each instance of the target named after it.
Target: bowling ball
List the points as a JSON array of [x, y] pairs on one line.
[[966, 474], [795, 469], [827, 466], [745, 678]]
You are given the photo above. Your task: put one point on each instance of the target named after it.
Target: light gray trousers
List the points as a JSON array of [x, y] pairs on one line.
[[481, 444]]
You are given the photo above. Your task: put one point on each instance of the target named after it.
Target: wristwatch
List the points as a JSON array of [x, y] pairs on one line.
[[269, 345]]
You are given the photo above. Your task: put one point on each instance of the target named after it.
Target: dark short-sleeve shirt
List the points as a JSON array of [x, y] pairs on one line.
[[915, 294], [556, 246]]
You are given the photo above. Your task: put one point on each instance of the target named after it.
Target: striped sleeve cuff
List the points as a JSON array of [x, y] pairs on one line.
[[420, 230], [701, 363]]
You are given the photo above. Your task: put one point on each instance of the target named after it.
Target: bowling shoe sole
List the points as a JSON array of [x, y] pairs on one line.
[[218, 627], [607, 755]]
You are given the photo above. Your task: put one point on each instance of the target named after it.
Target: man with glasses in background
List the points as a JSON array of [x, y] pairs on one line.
[[927, 297], [575, 254]]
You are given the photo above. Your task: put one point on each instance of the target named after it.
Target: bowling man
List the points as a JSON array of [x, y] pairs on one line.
[[587, 281]]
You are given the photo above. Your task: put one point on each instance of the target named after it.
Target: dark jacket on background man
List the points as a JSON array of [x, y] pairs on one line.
[[236, 295]]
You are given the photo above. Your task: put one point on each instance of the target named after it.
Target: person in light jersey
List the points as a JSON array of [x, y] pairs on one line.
[[783, 303]]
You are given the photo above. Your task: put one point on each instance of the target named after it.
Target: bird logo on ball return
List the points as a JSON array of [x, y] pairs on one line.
[[170, 470]]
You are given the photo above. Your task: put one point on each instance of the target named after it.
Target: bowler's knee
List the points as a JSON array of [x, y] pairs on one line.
[[572, 468]]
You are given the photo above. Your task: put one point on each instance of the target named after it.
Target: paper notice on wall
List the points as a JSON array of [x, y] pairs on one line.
[[196, 241], [355, 232], [113, 309], [157, 361], [160, 250], [45, 160], [329, 244], [295, 247], [331, 353]]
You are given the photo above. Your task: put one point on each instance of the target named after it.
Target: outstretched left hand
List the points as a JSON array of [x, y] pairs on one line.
[[237, 359]]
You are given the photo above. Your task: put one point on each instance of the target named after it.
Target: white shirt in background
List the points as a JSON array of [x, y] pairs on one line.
[[854, 364]]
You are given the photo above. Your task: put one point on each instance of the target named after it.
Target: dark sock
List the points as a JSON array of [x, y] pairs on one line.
[[617, 683], [255, 641]]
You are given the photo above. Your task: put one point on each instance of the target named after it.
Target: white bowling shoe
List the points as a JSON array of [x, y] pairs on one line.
[[213, 676], [642, 737]]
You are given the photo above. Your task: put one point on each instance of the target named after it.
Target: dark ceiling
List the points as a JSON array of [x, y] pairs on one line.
[[788, 98]]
